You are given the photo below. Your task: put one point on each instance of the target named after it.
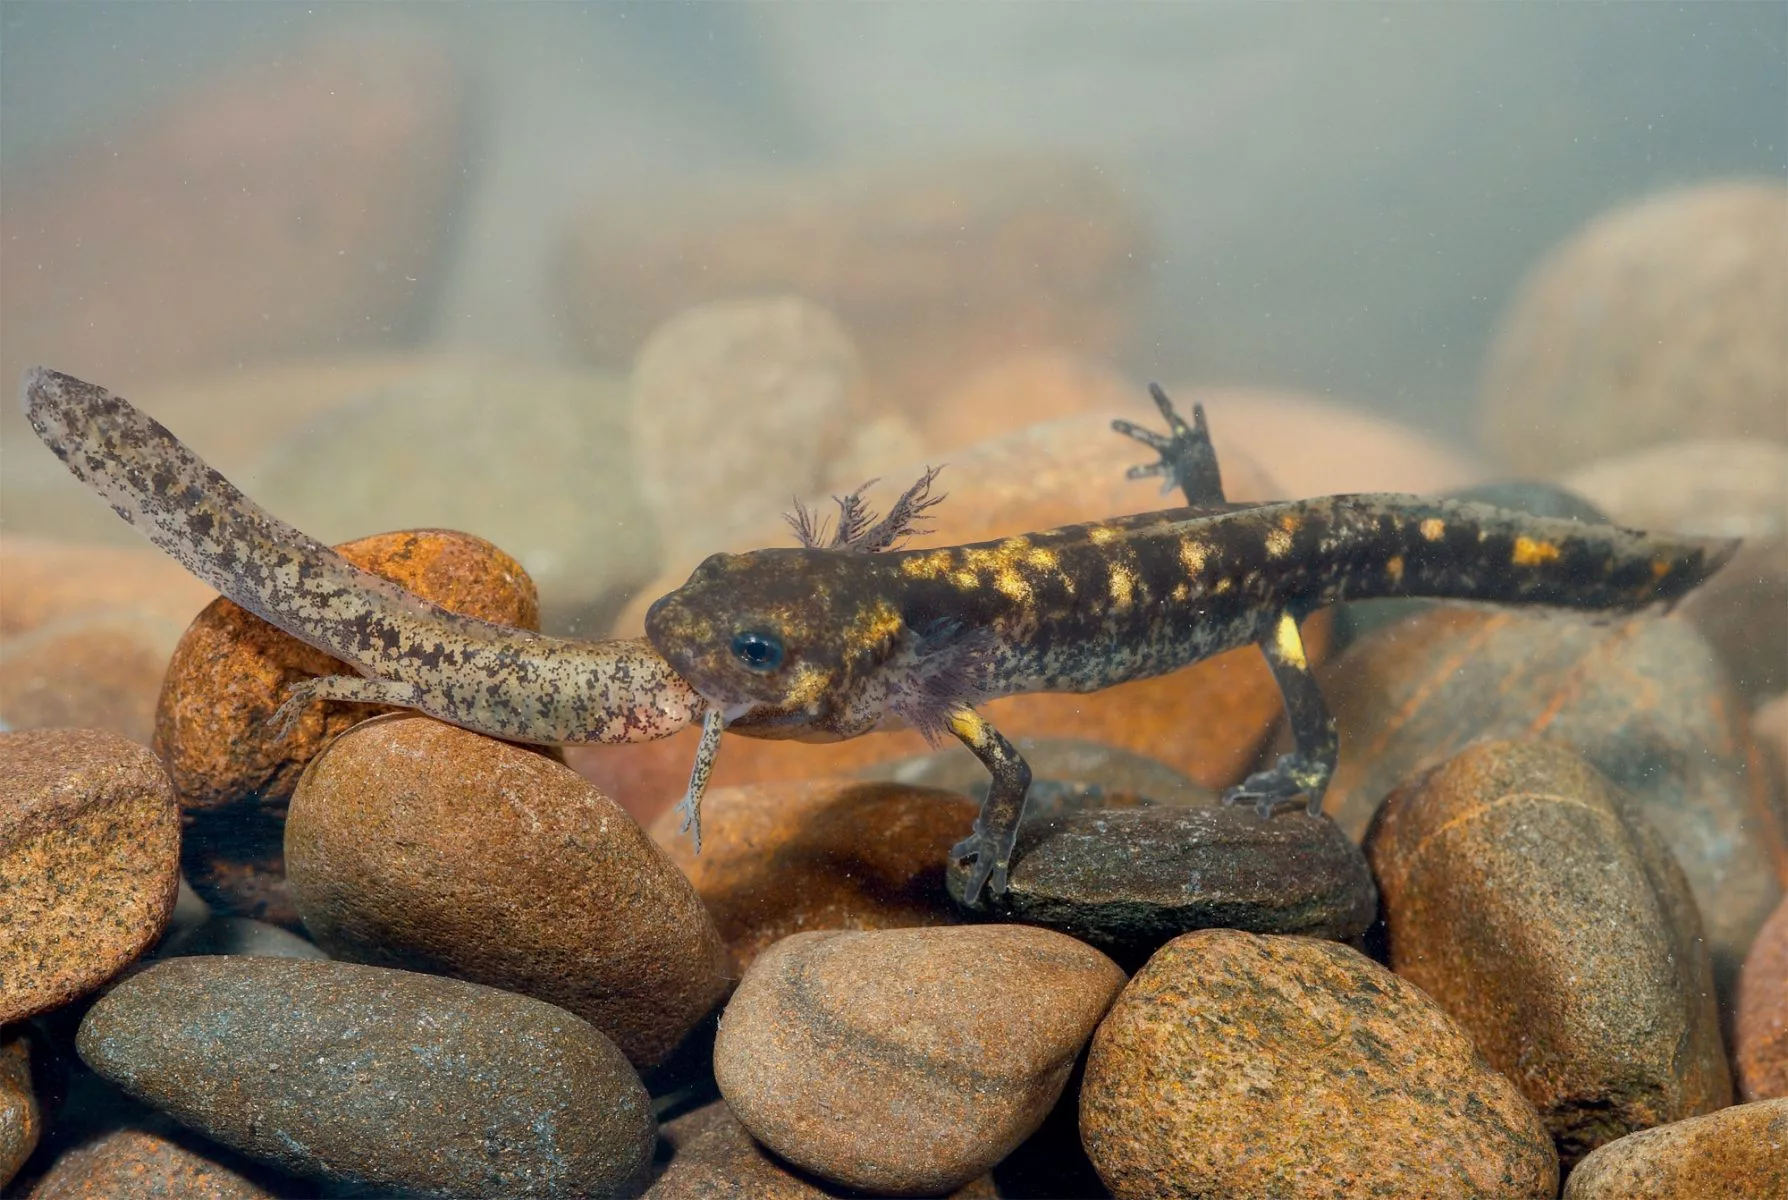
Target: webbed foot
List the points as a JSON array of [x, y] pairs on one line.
[[1291, 777], [1188, 460], [985, 861]]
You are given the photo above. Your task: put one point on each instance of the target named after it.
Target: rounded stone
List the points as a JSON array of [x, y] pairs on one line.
[[89, 863], [415, 844], [99, 670], [1740, 1151], [1339, 447], [1241, 1065], [1028, 388], [1540, 909], [784, 858], [1760, 1031], [907, 1060], [549, 449], [1067, 775], [1128, 880], [785, 361], [380, 1077], [151, 1163], [712, 1157], [237, 935], [231, 670], [1643, 699], [1715, 487], [936, 267], [1660, 320], [291, 200], [21, 1119], [43, 581]]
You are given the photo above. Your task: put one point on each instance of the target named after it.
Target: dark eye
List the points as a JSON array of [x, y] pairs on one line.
[[759, 651]]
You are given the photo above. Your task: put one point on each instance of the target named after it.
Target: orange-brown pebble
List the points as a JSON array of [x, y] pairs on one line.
[[1339, 447], [230, 672], [99, 670], [1660, 320], [908, 1060], [1739, 1153], [1760, 1033], [1030, 388], [712, 1157], [286, 204], [89, 863], [1240, 1065], [418, 845], [1643, 699], [43, 582], [783, 858], [21, 1119], [935, 268], [150, 1164], [1539, 908]]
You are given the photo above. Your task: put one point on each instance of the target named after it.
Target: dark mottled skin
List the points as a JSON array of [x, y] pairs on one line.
[[919, 637], [495, 679]]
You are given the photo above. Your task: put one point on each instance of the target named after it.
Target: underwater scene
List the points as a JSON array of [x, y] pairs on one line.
[[984, 600]]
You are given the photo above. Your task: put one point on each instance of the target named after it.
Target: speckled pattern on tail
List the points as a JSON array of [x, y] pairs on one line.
[[494, 679]]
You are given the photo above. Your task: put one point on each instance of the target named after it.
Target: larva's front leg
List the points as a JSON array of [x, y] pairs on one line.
[[986, 854]]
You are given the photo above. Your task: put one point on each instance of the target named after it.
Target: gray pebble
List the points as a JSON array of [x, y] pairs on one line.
[[363, 1074], [1129, 880]]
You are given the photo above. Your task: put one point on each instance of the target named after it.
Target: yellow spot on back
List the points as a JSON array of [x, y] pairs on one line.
[[1181, 592], [1533, 552], [1192, 555], [1123, 586], [1287, 642], [1012, 584], [968, 581], [1278, 544], [1660, 567], [1394, 568], [1101, 535], [1223, 585], [1433, 529]]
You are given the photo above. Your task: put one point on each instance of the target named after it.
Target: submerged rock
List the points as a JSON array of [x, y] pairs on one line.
[[380, 1077], [1129, 880], [1240, 1065], [908, 1060], [1539, 908], [89, 863]]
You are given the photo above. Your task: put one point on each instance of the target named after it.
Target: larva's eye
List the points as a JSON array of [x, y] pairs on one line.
[[758, 651]]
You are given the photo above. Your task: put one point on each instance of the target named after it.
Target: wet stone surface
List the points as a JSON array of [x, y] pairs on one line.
[[1240, 1065], [707, 1155], [853, 1056], [419, 845], [783, 858], [1761, 1028], [1540, 909], [382, 1077], [89, 844], [1130, 880], [158, 1160], [1740, 1151], [21, 1118], [1640, 697]]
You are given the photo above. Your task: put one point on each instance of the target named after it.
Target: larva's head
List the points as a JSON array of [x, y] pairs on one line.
[[784, 643]]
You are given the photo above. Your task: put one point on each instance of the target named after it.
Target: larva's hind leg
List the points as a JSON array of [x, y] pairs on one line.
[[1188, 460], [1306, 771], [350, 688]]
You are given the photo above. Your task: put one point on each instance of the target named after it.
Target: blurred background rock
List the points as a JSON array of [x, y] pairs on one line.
[[247, 217]]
